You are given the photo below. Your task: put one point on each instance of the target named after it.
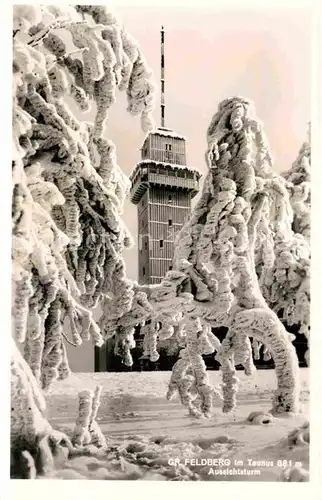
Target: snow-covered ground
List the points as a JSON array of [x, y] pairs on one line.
[[147, 433]]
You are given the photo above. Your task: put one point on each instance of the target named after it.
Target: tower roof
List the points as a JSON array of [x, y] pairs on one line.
[[166, 132]]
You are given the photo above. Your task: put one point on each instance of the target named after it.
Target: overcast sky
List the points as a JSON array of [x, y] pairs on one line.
[[212, 54]]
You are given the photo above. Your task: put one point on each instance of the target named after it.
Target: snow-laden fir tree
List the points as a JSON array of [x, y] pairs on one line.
[[283, 257], [68, 192], [223, 269]]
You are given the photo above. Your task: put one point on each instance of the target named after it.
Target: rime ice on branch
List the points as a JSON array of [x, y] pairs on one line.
[[87, 430], [68, 191], [299, 185], [214, 281]]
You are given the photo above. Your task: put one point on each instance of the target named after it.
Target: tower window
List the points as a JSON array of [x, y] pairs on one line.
[[170, 222], [161, 243], [170, 198], [168, 153], [170, 268], [143, 271]]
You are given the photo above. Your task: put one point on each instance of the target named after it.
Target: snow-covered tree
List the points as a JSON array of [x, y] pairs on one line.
[[68, 192], [283, 256], [214, 281]]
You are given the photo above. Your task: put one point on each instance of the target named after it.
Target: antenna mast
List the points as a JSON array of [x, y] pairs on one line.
[[162, 78]]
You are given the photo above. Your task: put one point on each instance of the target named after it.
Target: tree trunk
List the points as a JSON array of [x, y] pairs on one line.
[[35, 445]]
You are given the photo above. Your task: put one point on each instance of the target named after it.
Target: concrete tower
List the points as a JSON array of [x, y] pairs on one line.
[[162, 188]]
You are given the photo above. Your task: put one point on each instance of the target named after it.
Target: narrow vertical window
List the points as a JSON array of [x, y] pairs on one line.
[[170, 222], [143, 271], [161, 243]]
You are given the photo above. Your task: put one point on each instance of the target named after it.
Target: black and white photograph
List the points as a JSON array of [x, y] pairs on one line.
[[160, 243]]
